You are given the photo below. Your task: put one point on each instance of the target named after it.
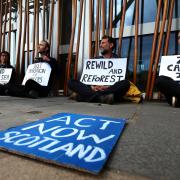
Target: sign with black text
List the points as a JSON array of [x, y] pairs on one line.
[[170, 66], [39, 72], [5, 75], [79, 141], [103, 71]]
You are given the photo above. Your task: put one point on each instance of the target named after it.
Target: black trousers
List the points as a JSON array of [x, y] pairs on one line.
[[23, 90], [86, 94], [3, 88], [168, 87]]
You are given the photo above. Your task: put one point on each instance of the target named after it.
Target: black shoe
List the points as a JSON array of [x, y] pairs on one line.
[[107, 99], [175, 102], [33, 94]]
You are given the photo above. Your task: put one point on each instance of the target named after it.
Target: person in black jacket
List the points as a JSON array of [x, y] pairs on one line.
[[96, 93], [170, 88], [5, 64], [31, 88]]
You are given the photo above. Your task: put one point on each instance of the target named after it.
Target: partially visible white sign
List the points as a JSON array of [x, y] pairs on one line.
[[5, 75], [103, 71], [170, 66], [39, 72]]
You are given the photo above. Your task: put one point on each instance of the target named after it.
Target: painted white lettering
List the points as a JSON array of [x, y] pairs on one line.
[[65, 119], [83, 119], [8, 134], [26, 141], [96, 139], [91, 158], [68, 134], [107, 122]]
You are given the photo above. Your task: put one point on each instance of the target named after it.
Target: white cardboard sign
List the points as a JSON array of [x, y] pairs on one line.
[[103, 71], [39, 72], [170, 66], [5, 75]]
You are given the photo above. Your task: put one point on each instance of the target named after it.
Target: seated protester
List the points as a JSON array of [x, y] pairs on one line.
[[5, 64], [170, 88], [31, 88], [103, 94]]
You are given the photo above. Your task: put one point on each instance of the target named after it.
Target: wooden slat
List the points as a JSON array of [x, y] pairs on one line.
[[136, 41], [34, 31], [97, 29], [23, 43], [4, 30], [1, 22], [27, 42], [9, 35], [37, 27], [70, 51], [156, 30], [19, 38], [169, 27], [90, 28], [103, 17], [43, 21], [51, 23], [121, 29], [110, 17], [158, 48], [78, 39]]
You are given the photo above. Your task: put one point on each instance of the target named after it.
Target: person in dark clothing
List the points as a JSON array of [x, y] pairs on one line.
[[31, 88], [103, 94], [170, 88], [5, 64]]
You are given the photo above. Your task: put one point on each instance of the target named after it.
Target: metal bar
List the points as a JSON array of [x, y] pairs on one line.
[[19, 38], [51, 23], [4, 31], [90, 28], [159, 48], [9, 38], [103, 17], [122, 27], [169, 27], [78, 39], [110, 17], [70, 51], [156, 30], [136, 41], [97, 29]]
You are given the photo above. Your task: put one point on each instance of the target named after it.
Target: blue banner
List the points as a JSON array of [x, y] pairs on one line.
[[73, 140]]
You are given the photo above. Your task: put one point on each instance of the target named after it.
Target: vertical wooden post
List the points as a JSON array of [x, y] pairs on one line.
[[27, 42], [19, 38], [159, 48], [70, 51], [169, 27], [121, 27], [90, 28], [37, 27], [23, 44], [97, 29], [156, 30], [4, 31], [1, 22], [78, 39], [9, 38], [136, 41], [34, 31], [110, 17], [43, 21], [51, 23], [103, 17]]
